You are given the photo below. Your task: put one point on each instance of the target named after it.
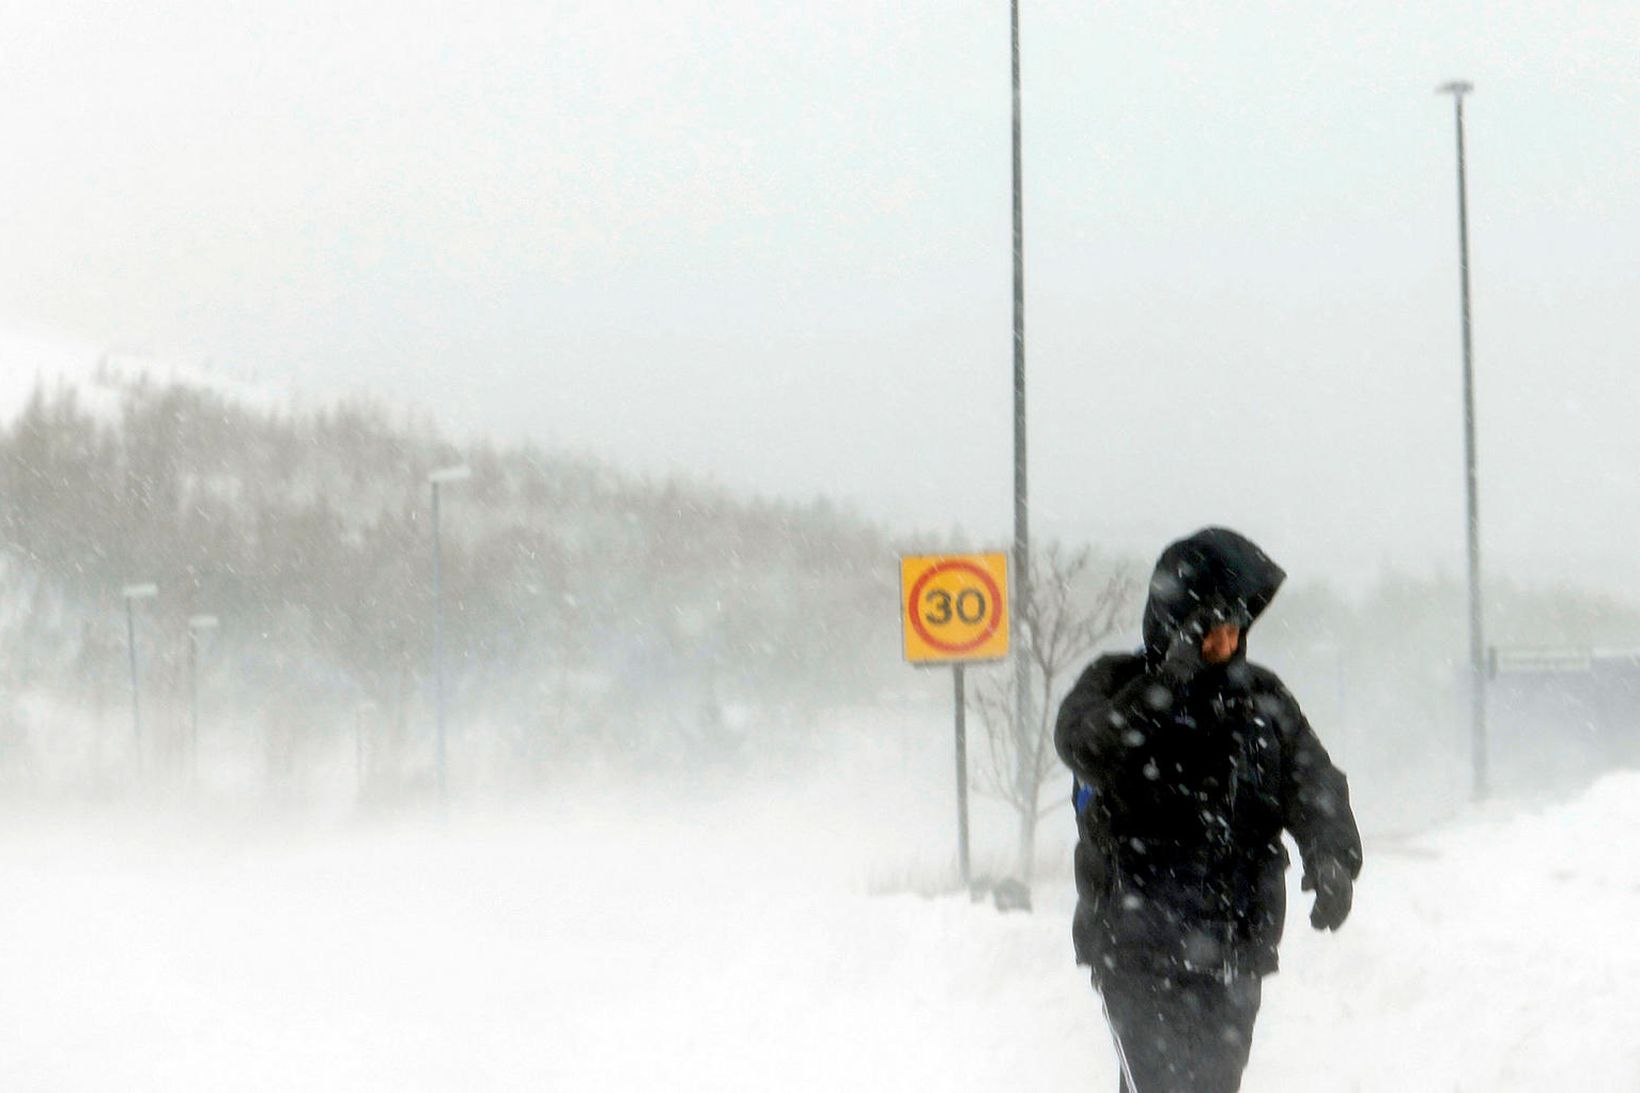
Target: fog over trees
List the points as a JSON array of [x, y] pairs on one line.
[[586, 610], [591, 615]]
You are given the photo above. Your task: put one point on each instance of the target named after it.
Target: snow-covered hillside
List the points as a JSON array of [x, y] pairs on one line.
[[641, 939], [30, 359]]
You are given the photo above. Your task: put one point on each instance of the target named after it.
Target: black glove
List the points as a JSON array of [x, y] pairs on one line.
[[1334, 893], [1183, 661]]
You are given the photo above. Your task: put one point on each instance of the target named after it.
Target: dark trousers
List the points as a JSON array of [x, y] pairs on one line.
[[1187, 1034]]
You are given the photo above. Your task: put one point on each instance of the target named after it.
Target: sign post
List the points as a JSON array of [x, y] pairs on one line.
[[954, 610], [962, 770]]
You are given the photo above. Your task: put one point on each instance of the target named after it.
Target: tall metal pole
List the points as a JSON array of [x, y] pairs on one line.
[[198, 625], [459, 473], [438, 643], [962, 771], [1477, 658], [136, 711], [193, 703], [359, 712], [1021, 592], [132, 593]]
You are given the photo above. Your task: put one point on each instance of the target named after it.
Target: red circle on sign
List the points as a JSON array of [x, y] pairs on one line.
[[916, 613]]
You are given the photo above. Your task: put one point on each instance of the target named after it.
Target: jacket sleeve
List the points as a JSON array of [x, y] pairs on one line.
[[1110, 700], [1315, 794]]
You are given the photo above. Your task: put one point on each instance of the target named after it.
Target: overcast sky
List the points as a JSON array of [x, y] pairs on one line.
[[768, 243]]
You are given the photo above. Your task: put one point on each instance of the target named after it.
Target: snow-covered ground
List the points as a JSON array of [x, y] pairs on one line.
[[630, 938]]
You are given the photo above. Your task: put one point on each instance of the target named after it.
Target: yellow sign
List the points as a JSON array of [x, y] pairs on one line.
[[954, 607]]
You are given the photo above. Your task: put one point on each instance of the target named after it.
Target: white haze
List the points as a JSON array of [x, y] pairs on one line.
[[769, 244]]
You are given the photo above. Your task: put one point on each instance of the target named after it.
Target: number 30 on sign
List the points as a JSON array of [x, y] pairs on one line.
[[954, 607]]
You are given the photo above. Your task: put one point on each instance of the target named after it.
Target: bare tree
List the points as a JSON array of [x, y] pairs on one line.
[[1075, 604]]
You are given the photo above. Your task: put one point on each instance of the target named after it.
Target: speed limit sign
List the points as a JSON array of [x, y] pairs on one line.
[[954, 607]]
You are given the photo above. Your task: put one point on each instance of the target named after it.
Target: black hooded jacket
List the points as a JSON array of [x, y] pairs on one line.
[[1184, 788]]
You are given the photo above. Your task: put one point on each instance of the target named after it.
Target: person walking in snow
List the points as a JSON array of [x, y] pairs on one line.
[[1189, 763]]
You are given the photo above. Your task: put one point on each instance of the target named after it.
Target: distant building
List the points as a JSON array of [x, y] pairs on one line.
[[1558, 718]]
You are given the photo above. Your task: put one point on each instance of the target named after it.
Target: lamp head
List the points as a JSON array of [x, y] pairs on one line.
[[459, 473]]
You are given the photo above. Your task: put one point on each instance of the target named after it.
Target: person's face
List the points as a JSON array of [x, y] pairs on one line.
[[1220, 643]]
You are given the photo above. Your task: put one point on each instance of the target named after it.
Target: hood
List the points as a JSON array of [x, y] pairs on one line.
[[1215, 569]]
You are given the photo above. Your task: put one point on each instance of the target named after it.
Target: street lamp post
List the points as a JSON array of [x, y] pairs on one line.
[[1021, 592], [1477, 668], [132, 593], [360, 712], [443, 476], [198, 626]]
